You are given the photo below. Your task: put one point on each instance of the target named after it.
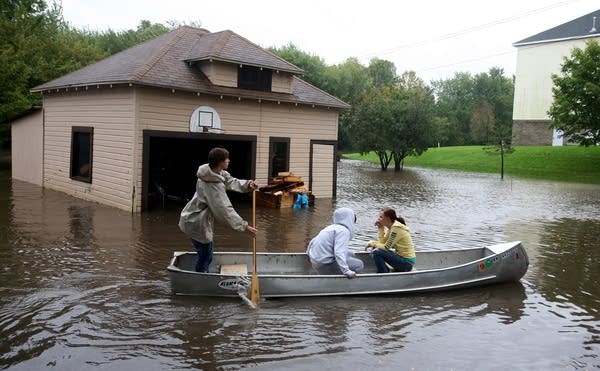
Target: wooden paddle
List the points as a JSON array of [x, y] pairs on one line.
[[254, 294]]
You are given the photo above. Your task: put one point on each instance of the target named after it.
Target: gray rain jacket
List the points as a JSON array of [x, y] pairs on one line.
[[209, 202], [331, 244]]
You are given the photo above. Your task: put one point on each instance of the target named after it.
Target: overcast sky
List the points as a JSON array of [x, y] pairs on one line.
[[434, 38]]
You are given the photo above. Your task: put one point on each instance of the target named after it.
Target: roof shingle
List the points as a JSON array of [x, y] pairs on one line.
[[583, 27], [166, 61]]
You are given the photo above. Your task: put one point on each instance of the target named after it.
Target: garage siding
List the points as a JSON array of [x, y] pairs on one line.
[[159, 110], [110, 112], [323, 170], [26, 148]]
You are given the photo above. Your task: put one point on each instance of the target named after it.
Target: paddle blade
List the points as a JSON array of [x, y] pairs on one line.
[[254, 292]]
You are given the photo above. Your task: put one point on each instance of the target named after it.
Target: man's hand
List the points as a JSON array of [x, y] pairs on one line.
[[253, 185], [251, 230]]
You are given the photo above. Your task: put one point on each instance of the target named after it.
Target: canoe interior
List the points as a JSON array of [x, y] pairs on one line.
[[298, 264]]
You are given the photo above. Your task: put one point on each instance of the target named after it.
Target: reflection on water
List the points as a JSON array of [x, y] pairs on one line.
[[84, 286]]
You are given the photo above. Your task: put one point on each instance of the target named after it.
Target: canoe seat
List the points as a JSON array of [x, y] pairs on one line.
[[234, 269]]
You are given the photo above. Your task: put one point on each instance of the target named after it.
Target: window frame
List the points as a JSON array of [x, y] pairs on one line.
[[73, 173], [272, 142], [254, 78]]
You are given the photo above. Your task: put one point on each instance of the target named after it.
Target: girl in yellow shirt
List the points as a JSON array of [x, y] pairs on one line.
[[394, 245]]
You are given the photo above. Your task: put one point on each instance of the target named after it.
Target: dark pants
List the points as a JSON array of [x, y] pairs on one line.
[[204, 256], [400, 264]]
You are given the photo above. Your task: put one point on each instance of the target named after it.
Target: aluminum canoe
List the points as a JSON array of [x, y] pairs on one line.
[[291, 274]]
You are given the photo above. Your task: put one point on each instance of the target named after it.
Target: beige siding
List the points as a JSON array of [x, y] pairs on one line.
[[26, 149], [322, 170], [162, 110], [281, 82], [110, 112], [533, 77], [220, 73]]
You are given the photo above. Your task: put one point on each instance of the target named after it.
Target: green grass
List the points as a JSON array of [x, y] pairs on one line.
[[566, 163]]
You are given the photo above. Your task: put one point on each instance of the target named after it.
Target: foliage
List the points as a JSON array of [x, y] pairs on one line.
[[381, 72], [478, 108], [112, 42], [395, 121], [37, 45], [454, 101], [576, 106], [314, 66], [565, 163]]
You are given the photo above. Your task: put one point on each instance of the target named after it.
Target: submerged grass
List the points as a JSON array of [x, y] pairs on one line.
[[567, 163]]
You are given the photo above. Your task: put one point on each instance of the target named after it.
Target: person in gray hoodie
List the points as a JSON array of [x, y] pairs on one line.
[[328, 251], [210, 201]]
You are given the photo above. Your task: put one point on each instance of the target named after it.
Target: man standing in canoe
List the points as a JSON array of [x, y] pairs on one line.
[[210, 201]]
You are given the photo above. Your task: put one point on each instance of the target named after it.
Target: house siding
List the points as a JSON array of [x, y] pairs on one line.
[[158, 109], [533, 89], [27, 146], [110, 112], [281, 82], [323, 172], [220, 73]]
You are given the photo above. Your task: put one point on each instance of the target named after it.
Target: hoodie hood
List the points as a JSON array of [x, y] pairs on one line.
[[345, 216], [206, 174]]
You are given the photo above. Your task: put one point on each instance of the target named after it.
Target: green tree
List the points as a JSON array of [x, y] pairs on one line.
[[495, 91], [348, 81], [395, 121], [36, 45], [412, 131], [576, 106], [371, 117], [314, 66], [454, 101], [482, 122], [381, 72]]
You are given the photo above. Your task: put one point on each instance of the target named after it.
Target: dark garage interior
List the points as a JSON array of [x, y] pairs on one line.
[[172, 159]]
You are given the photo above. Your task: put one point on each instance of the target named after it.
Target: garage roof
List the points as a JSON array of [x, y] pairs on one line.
[[167, 62]]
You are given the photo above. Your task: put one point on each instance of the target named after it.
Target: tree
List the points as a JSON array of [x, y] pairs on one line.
[[382, 72], [412, 131], [494, 91], [395, 121], [313, 65], [454, 101], [36, 45], [370, 121], [482, 122], [576, 106]]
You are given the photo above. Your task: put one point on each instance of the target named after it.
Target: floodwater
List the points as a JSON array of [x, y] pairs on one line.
[[84, 286]]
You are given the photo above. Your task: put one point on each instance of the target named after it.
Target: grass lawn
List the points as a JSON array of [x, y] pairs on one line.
[[565, 163]]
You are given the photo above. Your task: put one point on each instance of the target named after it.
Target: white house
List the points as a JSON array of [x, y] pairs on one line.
[[538, 57]]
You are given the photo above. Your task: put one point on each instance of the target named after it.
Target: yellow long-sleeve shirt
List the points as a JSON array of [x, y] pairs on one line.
[[396, 238]]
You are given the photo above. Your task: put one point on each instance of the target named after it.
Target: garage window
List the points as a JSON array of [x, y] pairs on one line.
[[279, 153], [254, 78], [81, 153]]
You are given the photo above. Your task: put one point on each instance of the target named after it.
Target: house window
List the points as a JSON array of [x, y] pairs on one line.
[[279, 153], [254, 78], [81, 153]]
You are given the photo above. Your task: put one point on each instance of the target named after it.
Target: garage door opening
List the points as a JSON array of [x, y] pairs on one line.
[[172, 159]]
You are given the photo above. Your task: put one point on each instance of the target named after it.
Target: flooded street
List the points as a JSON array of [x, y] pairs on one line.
[[85, 287]]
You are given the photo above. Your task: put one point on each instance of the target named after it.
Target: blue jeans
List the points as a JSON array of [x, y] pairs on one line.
[[400, 264], [204, 256]]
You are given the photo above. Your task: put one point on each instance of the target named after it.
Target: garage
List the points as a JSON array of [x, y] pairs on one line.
[[171, 160]]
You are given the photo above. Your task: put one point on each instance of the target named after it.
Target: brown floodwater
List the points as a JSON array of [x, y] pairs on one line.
[[84, 286]]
